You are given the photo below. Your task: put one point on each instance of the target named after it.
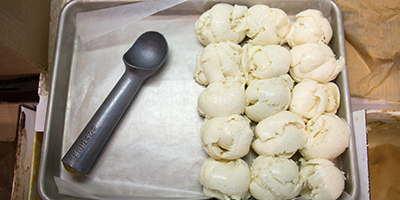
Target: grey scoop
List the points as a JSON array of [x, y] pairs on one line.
[[146, 56]]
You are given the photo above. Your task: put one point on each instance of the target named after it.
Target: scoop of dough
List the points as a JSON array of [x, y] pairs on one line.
[[221, 23], [315, 62], [281, 135], [310, 27], [322, 179], [268, 96], [261, 62], [274, 178], [328, 136], [225, 179], [266, 25], [222, 98], [218, 61], [310, 99], [226, 137]]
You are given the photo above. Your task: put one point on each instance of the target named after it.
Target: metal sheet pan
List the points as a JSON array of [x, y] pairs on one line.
[[135, 167]]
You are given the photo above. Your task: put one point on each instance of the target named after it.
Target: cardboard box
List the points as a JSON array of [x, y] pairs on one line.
[[9, 120], [24, 37], [376, 126], [20, 152], [384, 153], [9, 114]]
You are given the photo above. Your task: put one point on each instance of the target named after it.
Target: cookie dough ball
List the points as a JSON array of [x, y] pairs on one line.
[[310, 27], [222, 98], [268, 96], [225, 179], [322, 179], [262, 62], [266, 25], [218, 61], [310, 99], [281, 135], [315, 62], [226, 137], [223, 22], [274, 178], [328, 136]]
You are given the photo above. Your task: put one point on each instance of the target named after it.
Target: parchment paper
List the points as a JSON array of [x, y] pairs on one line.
[[156, 149], [372, 29], [157, 141], [93, 24]]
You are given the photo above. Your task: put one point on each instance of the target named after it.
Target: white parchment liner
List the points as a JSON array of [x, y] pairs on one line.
[[157, 141], [93, 24]]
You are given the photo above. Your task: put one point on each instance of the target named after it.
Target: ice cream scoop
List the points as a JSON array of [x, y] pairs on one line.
[[146, 56]]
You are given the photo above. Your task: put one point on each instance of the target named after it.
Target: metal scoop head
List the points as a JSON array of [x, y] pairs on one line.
[[148, 52]]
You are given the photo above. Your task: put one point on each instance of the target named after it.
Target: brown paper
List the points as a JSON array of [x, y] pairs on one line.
[[372, 29]]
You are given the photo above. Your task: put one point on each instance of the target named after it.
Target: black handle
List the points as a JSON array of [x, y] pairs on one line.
[[87, 148]]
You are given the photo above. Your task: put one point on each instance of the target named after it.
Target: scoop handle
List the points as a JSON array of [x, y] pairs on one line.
[[88, 147]]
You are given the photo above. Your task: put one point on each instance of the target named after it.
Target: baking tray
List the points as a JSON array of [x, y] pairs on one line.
[[156, 150]]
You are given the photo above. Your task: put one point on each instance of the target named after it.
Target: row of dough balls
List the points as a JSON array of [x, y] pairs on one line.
[[223, 67], [262, 24], [311, 61], [265, 97], [228, 137], [226, 134], [273, 174], [271, 178]]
